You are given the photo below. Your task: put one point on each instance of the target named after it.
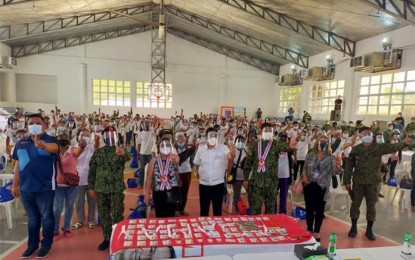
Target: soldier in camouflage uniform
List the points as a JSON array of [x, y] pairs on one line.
[[263, 182], [388, 134], [410, 128], [106, 182], [363, 164]]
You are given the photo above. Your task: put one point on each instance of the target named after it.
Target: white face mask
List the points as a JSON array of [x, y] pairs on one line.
[[212, 141], [35, 129], [267, 136], [87, 139], [165, 150], [345, 136]]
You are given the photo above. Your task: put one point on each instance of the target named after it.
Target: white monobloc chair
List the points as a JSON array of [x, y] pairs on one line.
[[340, 190], [5, 178]]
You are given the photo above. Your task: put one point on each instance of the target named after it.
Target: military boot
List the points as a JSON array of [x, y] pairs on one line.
[[369, 233], [353, 229]]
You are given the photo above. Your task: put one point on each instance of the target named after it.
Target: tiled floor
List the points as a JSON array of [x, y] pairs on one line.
[[390, 227]]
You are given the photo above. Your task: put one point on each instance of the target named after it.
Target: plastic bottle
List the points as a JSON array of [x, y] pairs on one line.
[[332, 244], [407, 243]]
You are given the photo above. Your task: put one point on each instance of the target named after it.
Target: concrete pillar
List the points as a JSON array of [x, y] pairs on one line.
[[10, 87], [84, 97]]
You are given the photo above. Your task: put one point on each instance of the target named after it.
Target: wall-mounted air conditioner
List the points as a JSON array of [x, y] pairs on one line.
[[357, 62], [321, 73], [381, 61]]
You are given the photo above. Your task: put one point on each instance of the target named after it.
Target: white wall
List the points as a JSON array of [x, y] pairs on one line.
[[401, 38], [202, 80]]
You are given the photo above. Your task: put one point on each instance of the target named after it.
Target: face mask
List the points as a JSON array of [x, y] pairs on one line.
[[20, 136], [295, 127], [367, 139], [345, 136], [87, 139], [267, 136], [212, 141], [165, 150], [35, 129], [14, 125], [240, 132], [240, 145], [303, 138], [390, 127], [333, 139], [380, 140], [397, 136], [181, 145], [63, 142], [323, 146]]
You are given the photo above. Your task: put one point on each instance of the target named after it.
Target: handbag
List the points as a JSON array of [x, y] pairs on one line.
[[298, 186], [70, 179], [406, 183], [334, 181], [5, 193], [174, 196]]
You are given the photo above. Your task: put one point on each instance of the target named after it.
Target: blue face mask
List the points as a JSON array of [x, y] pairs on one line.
[[333, 139], [35, 129], [323, 146], [367, 139], [181, 145]]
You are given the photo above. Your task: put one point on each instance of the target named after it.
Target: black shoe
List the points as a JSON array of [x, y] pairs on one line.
[[352, 232], [381, 195], [369, 234], [43, 252], [28, 252], [104, 245]]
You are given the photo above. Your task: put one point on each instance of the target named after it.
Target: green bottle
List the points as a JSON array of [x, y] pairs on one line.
[[407, 243], [332, 244]]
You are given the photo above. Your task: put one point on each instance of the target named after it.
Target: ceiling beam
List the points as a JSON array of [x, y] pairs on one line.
[[46, 46], [403, 9], [328, 38], [12, 32], [229, 52], [261, 45], [8, 2]]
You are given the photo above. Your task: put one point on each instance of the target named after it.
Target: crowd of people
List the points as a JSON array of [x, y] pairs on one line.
[[263, 155]]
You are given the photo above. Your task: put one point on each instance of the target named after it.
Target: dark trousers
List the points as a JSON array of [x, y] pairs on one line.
[[128, 136], [413, 193], [184, 189], [314, 206], [39, 209], [392, 168], [283, 191], [298, 166], [212, 194], [162, 208]]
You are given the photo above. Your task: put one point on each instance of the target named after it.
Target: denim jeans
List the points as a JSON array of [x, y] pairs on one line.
[[67, 194], [144, 160], [39, 210]]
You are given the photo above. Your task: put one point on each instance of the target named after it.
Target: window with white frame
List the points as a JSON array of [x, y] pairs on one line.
[[290, 97], [323, 95], [387, 94], [111, 92], [143, 100]]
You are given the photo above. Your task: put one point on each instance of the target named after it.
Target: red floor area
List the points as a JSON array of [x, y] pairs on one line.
[[85, 241]]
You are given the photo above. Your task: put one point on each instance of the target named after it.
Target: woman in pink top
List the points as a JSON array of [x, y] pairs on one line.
[[68, 158]]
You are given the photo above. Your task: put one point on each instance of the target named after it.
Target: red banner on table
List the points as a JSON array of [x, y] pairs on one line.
[[188, 231]]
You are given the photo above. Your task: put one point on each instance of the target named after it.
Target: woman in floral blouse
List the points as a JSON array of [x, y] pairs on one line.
[[319, 167], [162, 180]]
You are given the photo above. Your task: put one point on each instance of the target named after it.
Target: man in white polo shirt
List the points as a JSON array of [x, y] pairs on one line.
[[212, 160]]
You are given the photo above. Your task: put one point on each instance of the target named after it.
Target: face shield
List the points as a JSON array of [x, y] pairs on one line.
[[110, 138], [380, 139], [212, 138], [239, 143], [165, 147], [267, 133]]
